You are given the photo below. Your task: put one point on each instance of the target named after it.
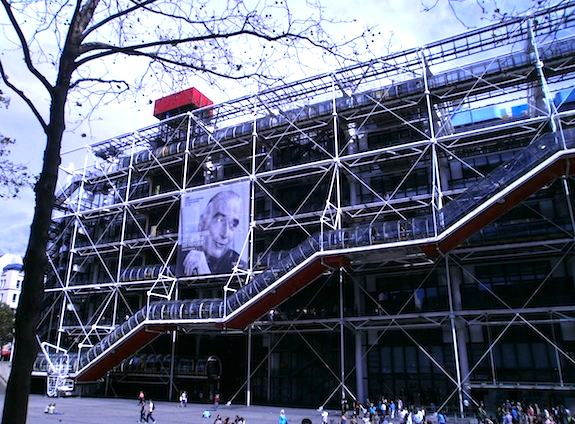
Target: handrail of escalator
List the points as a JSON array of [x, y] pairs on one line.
[[539, 150]]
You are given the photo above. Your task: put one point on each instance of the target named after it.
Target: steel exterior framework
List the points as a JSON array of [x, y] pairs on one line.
[[378, 141]]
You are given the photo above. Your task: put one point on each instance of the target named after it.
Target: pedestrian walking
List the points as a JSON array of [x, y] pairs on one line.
[[184, 399], [143, 412], [324, 415], [441, 419], [282, 418], [151, 408]]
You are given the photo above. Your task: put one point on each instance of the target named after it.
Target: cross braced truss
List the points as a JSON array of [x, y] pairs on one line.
[[419, 174]]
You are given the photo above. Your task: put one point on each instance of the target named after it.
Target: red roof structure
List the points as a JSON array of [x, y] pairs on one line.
[[181, 102]]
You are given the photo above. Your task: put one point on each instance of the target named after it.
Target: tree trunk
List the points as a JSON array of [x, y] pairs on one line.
[[29, 309]]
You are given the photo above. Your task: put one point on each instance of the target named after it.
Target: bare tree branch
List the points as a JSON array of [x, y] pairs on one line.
[[13, 176], [456, 15], [99, 80], [23, 96], [24, 46], [110, 49], [119, 14], [492, 11]]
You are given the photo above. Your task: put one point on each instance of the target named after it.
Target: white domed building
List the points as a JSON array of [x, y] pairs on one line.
[[11, 279]]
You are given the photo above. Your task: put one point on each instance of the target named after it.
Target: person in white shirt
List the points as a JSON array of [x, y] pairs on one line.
[[151, 409], [324, 415]]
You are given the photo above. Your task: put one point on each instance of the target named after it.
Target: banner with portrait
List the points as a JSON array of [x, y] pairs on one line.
[[214, 227]]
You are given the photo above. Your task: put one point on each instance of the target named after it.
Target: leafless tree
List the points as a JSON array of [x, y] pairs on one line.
[[81, 53]]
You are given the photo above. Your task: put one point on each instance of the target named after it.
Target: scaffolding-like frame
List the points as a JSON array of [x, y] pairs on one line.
[[422, 90]]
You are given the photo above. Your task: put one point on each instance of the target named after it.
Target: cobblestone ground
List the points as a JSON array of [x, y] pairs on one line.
[[119, 411]]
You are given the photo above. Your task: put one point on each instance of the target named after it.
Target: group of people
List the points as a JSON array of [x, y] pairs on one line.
[[395, 411], [511, 412], [227, 420], [389, 411], [147, 408], [381, 411]]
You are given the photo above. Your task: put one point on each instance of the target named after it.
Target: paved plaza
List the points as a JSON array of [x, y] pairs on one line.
[[76, 410]]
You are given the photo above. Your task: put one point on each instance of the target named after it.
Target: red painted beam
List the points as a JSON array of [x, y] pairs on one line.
[[110, 359], [285, 290], [498, 209]]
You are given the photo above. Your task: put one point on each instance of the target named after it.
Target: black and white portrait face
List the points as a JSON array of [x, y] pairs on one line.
[[219, 222], [213, 231]]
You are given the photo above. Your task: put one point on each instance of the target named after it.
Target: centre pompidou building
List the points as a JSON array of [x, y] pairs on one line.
[[402, 227]]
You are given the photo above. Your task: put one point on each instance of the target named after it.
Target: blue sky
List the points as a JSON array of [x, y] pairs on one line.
[[402, 20]]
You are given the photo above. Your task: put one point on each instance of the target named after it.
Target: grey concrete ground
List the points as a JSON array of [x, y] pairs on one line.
[[120, 411]]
